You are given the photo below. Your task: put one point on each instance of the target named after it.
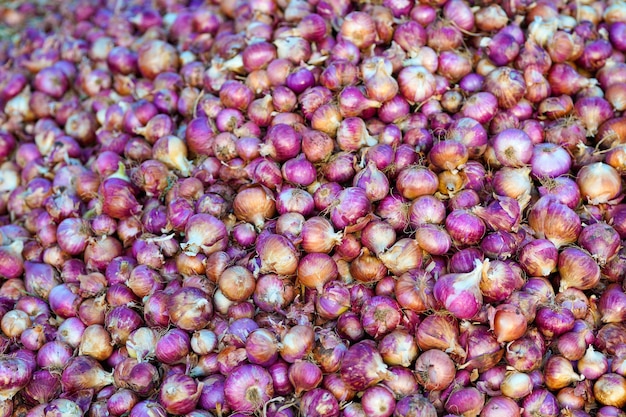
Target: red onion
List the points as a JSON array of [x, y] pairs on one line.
[[304, 376], [319, 402], [554, 221], [333, 300], [189, 309], [564, 189], [254, 205], [611, 304], [363, 366], [279, 372], [414, 290], [468, 401], [83, 373], [43, 387], [585, 275], [12, 261], [498, 405], [593, 365], [273, 293], [148, 408], [415, 405], [179, 393], [516, 385], [464, 227], [349, 326], [352, 205], [378, 401], [155, 57], [539, 257], [64, 301], [439, 332], [297, 342], [483, 350], [416, 83], [434, 370], [380, 315], [212, 395], [513, 147], [247, 388], [16, 375], [599, 183], [554, 320]]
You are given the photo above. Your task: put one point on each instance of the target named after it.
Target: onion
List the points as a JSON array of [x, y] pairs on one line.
[[398, 348], [363, 366], [83, 372], [516, 385], [466, 401], [155, 57], [248, 388], [254, 205], [378, 401], [277, 255], [380, 315], [434, 370], [415, 405], [498, 405], [319, 403], [16, 375], [204, 233], [313, 207], [599, 183], [179, 394], [584, 275], [554, 221], [610, 389], [316, 269], [296, 343], [460, 293]]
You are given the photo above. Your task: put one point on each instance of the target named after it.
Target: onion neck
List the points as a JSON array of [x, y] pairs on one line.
[[471, 280]]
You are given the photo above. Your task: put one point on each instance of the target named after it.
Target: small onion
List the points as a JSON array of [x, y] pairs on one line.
[[599, 183], [247, 388], [319, 403], [363, 366], [434, 370], [610, 389], [316, 269]]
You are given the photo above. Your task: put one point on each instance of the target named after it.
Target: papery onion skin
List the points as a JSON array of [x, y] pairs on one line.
[[415, 405]]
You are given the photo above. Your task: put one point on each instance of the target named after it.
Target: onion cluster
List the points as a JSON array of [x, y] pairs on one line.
[[318, 208]]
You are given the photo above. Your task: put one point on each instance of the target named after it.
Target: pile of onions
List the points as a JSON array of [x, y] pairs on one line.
[[318, 208]]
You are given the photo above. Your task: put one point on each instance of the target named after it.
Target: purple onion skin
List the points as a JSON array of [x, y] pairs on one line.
[[540, 402], [319, 403], [247, 388]]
